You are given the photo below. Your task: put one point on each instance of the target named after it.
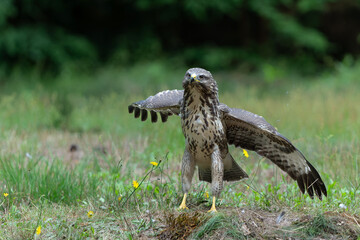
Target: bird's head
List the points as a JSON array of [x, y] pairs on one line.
[[200, 79]]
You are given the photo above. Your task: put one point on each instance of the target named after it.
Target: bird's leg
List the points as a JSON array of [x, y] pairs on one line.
[[183, 203], [187, 172], [217, 175], [213, 208]]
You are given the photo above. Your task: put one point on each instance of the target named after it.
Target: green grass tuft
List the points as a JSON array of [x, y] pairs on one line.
[[219, 222]]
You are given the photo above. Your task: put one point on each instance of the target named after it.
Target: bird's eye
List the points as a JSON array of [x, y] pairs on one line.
[[187, 74], [201, 77]]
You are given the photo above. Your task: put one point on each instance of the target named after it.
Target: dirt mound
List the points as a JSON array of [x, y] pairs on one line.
[[259, 224]]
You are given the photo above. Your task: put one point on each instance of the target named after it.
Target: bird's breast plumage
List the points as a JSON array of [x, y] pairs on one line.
[[202, 128]]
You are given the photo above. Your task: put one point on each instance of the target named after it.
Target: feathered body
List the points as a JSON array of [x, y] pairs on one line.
[[201, 124], [205, 133]]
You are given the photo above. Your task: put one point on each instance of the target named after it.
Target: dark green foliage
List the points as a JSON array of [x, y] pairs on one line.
[[212, 34], [47, 49], [31, 35]]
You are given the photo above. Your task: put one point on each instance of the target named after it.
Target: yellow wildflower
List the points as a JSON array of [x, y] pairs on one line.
[[6, 194], [135, 184], [38, 230], [120, 198], [154, 163], [206, 194], [90, 214], [245, 153]]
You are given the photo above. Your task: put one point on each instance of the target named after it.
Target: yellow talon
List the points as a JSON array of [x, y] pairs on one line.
[[183, 203], [213, 208]]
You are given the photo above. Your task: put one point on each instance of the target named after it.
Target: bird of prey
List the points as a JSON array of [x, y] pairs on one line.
[[210, 126]]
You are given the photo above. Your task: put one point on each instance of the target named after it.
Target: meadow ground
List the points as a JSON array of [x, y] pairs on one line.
[[68, 163]]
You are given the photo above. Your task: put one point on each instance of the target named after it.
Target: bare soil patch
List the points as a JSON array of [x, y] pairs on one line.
[[243, 223]]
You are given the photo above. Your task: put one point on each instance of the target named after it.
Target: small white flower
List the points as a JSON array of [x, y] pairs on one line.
[[102, 200], [28, 155], [343, 206]]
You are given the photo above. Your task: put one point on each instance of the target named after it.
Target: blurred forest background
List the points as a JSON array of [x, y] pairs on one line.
[[43, 40]]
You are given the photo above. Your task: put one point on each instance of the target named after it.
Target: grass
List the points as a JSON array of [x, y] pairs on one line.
[[54, 187], [220, 226]]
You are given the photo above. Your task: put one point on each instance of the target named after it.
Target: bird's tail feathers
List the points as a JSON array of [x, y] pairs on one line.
[[234, 173], [205, 174]]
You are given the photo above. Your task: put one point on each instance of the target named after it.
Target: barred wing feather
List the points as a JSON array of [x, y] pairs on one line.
[[166, 103], [250, 131]]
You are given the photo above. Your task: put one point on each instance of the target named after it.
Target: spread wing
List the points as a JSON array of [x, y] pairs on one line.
[[250, 131], [166, 103]]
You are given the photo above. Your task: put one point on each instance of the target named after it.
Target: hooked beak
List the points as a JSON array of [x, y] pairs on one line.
[[194, 78]]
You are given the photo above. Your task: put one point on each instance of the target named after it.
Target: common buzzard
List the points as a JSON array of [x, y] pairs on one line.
[[210, 126]]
